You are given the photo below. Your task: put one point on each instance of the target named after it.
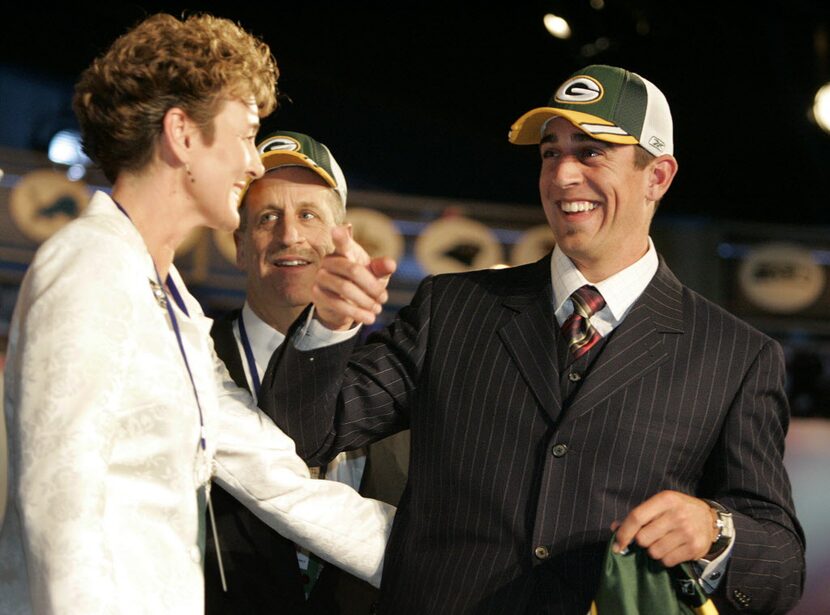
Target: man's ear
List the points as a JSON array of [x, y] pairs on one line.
[[178, 134], [661, 173]]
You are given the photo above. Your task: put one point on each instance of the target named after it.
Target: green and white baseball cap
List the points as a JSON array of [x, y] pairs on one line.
[[610, 104], [294, 149]]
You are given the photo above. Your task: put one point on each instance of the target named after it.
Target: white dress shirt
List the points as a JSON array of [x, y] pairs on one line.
[[620, 291]]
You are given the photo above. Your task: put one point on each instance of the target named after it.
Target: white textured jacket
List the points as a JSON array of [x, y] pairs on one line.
[[106, 468]]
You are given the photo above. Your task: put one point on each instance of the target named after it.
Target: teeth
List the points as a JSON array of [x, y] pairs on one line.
[[573, 207], [295, 263]]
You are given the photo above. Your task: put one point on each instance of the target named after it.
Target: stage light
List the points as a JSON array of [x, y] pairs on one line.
[[557, 26], [821, 107], [65, 148]]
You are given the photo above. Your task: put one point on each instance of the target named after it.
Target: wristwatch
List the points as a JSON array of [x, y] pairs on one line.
[[725, 527]]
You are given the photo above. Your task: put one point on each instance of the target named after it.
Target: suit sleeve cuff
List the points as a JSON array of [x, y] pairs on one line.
[[712, 572], [313, 335]]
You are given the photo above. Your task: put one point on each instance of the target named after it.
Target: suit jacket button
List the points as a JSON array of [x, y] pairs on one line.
[[559, 450], [574, 377], [541, 552]]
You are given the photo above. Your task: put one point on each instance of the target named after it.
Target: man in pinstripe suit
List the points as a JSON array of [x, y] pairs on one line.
[[659, 415]]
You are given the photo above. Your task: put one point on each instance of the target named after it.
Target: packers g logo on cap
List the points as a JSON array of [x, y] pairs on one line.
[[580, 90], [279, 143]]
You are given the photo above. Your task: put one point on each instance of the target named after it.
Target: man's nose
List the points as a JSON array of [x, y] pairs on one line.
[[567, 172], [290, 232]]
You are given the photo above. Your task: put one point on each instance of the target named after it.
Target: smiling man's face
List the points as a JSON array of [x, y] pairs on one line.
[[597, 201], [289, 214]]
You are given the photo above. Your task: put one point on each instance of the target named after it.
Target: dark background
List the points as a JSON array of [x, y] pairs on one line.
[[418, 97]]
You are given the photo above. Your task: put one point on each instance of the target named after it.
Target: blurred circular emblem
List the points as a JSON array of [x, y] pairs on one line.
[[781, 278], [534, 243], [455, 244], [45, 201], [375, 232]]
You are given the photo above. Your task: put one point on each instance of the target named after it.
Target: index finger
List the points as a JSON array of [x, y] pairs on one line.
[[341, 238]]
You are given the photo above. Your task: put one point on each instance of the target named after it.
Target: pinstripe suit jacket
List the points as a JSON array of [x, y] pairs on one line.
[[495, 517]]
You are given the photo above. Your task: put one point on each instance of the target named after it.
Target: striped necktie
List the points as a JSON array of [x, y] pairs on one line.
[[577, 329]]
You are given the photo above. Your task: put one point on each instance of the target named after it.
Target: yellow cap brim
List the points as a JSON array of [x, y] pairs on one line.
[[286, 158], [527, 130]]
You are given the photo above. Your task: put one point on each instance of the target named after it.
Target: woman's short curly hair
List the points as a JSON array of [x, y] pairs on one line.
[[195, 63]]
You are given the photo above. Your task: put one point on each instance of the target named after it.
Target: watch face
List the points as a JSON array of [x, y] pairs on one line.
[[45, 201], [726, 528]]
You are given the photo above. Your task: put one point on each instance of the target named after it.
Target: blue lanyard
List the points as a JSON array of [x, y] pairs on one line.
[[180, 302], [161, 296], [249, 355], [175, 292]]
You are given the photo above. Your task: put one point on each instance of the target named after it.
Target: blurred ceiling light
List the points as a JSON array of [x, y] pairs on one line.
[[821, 107], [557, 26], [76, 172], [589, 50], [65, 148], [597, 4]]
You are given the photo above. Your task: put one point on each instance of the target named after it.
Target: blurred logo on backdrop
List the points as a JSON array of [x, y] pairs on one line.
[[45, 201], [781, 278]]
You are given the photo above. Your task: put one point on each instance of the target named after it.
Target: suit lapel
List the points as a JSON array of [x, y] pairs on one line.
[[530, 339], [636, 346]]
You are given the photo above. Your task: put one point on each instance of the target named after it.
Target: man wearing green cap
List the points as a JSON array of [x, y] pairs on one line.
[[555, 403], [286, 218]]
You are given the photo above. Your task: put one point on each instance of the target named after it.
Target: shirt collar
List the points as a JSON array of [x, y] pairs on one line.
[[262, 337], [620, 291]]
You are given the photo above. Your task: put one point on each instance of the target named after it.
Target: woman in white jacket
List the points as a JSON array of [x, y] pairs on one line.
[[119, 412]]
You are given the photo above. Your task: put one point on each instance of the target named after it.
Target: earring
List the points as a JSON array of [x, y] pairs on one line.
[[189, 174]]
